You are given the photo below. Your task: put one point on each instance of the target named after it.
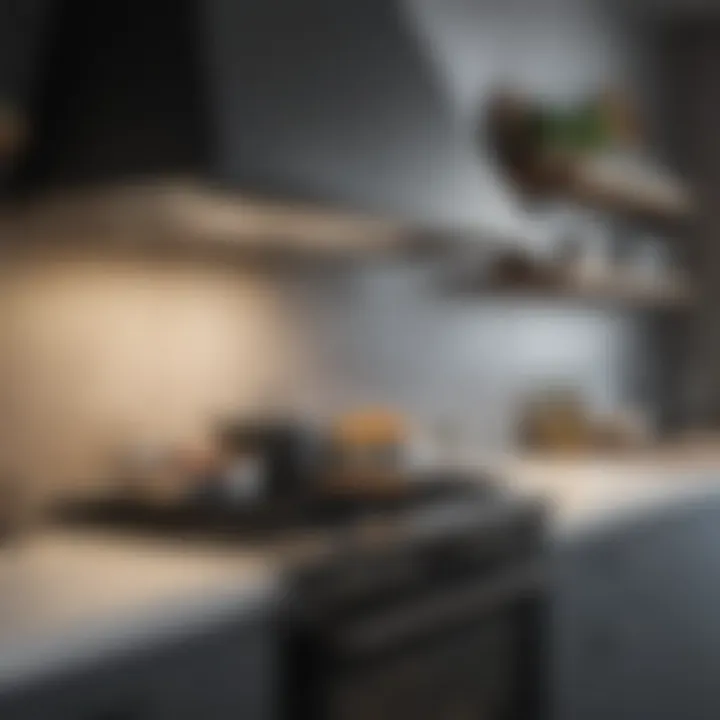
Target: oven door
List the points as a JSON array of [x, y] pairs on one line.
[[471, 653]]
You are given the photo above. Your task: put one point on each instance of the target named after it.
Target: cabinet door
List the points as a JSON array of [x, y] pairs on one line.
[[638, 633], [671, 631], [221, 674], [224, 675], [587, 628]]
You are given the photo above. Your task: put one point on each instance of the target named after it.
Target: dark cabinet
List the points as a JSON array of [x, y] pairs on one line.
[[224, 674], [636, 630]]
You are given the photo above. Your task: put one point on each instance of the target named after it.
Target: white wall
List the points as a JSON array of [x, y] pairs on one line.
[[395, 339], [389, 338]]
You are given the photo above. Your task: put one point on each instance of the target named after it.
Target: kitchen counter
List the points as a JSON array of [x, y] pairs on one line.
[[636, 570], [69, 597], [590, 491], [74, 596]]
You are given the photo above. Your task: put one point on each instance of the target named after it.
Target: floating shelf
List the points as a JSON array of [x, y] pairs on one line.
[[611, 290], [189, 216], [654, 204], [181, 217], [619, 181], [646, 203]]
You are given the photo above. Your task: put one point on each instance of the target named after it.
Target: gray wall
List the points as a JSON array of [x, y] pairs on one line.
[[557, 49], [392, 124], [387, 338]]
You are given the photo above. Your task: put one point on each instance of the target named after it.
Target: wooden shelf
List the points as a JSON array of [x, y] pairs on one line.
[[622, 182], [607, 291], [642, 203], [186, 218], [186, 215]]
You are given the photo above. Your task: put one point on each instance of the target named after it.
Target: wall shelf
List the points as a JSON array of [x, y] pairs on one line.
[[609, 291], [614, 177], [179, 218], [664, 206], [187, 216]]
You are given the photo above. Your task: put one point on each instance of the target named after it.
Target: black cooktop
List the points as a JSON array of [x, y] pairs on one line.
[[262, 520]]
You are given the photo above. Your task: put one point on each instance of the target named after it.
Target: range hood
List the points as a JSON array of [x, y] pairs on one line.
[[320, 101]]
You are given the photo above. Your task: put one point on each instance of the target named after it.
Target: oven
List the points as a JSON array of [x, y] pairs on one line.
[[452, 628]]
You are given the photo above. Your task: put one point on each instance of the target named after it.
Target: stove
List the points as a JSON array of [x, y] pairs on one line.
[[429, 606], [439, 612]]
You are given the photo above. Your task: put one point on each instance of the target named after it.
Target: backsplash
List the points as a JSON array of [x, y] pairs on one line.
[[99, 352], [393, 336]]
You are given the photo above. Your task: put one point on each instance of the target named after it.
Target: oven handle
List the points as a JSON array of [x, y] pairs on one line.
[[389, 629]]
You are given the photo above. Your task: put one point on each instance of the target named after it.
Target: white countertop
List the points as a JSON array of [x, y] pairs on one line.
[[70, 597], [589, 492]]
